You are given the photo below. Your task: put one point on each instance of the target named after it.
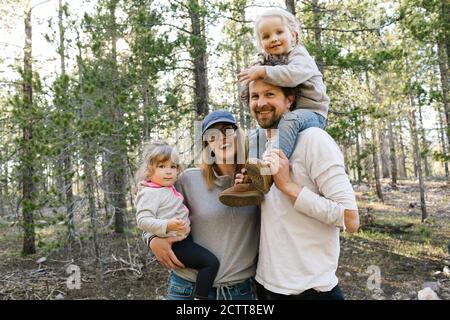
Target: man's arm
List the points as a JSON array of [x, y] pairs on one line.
[[337, 205]]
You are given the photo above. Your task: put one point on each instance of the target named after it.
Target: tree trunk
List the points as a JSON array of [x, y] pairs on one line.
[[358, 159], [27, 153], [368, 164], [424, 151], [145, 105], [67, 160], [118, 160], [417, 159], [376, 166], [404, 172], [198, 55], [443, 68], [393, 156], [346, 157], [290, 6], [59, 180], [318, 35], [2, 191], [384, 151], [88, 160], [445, 11], [6, 173], [443, 144], [246, 49], [236, 66], [238, 63]]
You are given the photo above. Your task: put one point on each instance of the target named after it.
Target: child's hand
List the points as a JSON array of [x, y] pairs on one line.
[[176, 224], [253, 73]]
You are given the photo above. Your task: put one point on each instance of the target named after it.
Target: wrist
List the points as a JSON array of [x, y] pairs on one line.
[[263, 72], [149, 241], [291, 189], [169, 226]]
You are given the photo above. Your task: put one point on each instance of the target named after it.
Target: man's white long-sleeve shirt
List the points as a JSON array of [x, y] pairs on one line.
[[299, 246]]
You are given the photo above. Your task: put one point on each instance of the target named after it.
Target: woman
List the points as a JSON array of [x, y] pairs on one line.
[[231, 234]]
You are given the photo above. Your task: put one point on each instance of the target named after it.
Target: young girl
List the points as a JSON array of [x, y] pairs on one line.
[[277, 34], [160, 212]]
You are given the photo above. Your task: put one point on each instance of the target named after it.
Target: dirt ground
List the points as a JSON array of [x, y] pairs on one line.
[[392, 257]]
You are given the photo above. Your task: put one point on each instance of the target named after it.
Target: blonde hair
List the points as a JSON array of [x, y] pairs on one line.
[[153, 154], [208, 168], [286, 17]]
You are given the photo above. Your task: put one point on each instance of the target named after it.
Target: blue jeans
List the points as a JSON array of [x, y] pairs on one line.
[[289, 127], [294, 122], [181, 289]]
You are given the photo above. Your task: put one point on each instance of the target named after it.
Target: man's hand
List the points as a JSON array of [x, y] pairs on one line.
[[351, 220], [279, 167], [252, 73], [162, 249]]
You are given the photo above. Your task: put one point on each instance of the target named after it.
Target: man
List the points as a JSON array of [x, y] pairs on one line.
[[311, 201]]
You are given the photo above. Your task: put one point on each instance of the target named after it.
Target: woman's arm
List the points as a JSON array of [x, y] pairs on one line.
[[162, 249]]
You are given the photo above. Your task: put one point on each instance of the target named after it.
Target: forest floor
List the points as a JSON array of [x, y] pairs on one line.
[[392, 243]]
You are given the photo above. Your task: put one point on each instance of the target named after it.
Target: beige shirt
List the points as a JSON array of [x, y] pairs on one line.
[[301, 71], [299, 246]]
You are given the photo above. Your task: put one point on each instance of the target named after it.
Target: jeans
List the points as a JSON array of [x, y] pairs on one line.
[[288, 129], [294, 122], [181, 289], [310, 294]]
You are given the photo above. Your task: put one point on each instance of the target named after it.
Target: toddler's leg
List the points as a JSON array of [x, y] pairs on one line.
[[289, 127], [294, 122], [195, 256], [256, 143]]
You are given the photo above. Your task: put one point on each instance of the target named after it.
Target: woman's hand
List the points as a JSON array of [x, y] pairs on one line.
[[240, 176], [279, 167], [162, 249]]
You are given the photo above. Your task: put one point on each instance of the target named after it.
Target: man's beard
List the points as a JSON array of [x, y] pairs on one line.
[[269, 123]]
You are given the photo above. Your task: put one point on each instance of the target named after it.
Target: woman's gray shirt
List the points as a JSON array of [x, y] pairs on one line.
[[231, 234]]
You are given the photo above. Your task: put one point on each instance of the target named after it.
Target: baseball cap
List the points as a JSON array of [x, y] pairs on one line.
[[216, 117]]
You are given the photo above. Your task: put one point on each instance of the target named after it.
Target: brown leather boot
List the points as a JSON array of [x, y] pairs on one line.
[[239, 195], [260, 175]]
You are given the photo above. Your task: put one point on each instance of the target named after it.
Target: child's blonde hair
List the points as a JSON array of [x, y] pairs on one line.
[[153, 154], [286, 17]]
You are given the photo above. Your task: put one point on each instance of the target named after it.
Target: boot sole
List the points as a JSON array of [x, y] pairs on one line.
[[257, 179], [241, 200]]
